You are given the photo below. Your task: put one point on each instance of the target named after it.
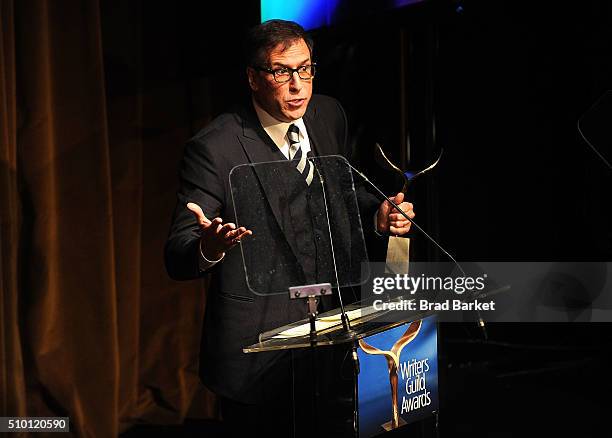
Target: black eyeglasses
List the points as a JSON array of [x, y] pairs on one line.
[[284, 74]]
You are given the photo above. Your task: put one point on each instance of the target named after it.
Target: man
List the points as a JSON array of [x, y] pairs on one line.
[[283, 120]]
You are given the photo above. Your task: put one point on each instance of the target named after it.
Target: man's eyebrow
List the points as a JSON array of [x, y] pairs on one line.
[[280, 64]]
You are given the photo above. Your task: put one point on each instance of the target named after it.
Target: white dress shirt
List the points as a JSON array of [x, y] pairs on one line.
[[277, 131]]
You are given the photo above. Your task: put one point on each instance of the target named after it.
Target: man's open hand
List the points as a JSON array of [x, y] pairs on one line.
[[389, 220], [216, 237]]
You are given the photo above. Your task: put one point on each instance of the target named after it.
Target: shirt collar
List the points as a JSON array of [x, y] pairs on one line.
[[276, 129]]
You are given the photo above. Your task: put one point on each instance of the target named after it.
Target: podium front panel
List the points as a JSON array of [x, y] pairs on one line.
[[398, 382], [305, 221]]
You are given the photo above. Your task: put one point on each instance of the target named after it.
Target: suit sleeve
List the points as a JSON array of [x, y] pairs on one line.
[[200, 183]]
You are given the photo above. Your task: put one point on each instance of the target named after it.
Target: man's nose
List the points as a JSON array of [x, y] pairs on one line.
[[295, 83]]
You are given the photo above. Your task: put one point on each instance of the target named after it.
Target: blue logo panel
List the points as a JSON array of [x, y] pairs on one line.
[[398, 382]]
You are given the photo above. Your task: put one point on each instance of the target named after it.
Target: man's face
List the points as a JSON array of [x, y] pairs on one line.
[[288, 101]]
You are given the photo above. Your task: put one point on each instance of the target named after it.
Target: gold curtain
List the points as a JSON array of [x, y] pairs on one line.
[[92, 328]]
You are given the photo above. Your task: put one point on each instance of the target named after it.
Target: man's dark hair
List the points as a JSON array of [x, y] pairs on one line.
[[261, 39]]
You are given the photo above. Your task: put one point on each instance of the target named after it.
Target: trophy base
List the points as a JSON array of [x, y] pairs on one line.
[[389, 424]]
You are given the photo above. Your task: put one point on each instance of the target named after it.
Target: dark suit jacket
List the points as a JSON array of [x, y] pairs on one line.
[[234, 315]]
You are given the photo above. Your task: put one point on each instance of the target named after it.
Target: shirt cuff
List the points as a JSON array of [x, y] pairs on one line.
[[206, 264]]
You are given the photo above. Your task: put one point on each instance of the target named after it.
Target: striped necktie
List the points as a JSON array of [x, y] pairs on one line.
[[304, 166]]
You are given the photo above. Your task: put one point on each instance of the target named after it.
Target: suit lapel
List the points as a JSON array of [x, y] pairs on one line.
[[317, 131], [323, 143], [260, 148]]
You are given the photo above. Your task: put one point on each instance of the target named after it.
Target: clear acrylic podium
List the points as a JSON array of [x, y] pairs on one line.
[[365, 322], [302, 234], [305, 235]]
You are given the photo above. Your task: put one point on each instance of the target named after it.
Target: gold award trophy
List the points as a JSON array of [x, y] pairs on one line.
[[398, 248], [393, 361]]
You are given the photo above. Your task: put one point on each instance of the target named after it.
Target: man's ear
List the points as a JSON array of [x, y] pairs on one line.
[[252, 79]]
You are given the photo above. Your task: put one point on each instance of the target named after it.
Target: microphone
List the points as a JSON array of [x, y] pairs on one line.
[[480, 320]]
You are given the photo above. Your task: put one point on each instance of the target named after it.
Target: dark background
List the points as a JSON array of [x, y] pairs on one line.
[[505, 83], [499, 85]]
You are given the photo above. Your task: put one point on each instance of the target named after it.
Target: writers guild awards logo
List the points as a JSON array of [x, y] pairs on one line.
[[393, 357]]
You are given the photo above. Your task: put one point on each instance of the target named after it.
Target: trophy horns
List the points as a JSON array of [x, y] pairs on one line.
[[411, 332]]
